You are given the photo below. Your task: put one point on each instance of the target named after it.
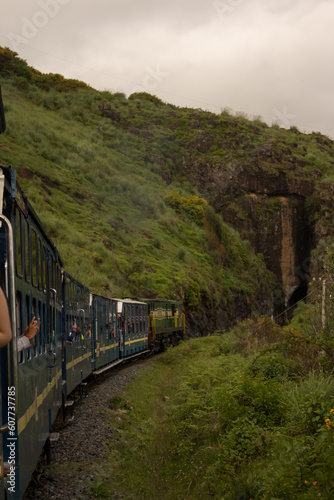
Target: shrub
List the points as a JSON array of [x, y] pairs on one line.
[[192, 295], [190, 206], [308, 403], [271, 365], [182, 254]]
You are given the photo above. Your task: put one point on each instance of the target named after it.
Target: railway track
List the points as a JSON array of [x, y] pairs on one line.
[[82, 443]]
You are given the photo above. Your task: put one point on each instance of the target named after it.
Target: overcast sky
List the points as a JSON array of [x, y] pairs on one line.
[[272, 58]]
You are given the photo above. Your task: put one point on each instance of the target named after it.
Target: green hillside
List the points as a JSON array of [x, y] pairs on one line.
[[247, 415], [112, 181]]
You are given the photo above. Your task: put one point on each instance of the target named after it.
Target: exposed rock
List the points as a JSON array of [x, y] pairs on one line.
[[266, 203]]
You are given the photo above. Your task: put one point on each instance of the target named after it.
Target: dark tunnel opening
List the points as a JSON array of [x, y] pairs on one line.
[[299, 294]]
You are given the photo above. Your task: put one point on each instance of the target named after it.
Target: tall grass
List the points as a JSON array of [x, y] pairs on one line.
[[227, 416]]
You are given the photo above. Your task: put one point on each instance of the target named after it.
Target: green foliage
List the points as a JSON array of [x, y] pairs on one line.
[[192, 295], [223, 422], [214, 222], [12, 65], [191, 206], [309, 402], [182, 254]]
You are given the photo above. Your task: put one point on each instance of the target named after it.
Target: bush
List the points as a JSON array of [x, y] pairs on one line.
[[308, 403], [191, 206], [192, 295]]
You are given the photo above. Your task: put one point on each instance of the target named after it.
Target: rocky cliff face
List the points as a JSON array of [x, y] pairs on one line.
[[265, 201]]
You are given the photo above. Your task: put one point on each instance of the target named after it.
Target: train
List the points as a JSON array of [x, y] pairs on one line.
[[81, 335]]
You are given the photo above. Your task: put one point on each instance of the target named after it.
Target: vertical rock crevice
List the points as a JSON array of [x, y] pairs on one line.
[[278, 227], [295, 249]]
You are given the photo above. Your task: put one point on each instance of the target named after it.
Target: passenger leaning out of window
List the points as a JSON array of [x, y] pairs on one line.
[[23, 341]]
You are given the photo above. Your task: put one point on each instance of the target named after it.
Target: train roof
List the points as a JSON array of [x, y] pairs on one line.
[[128, 301], [131, 301], [172, 301]]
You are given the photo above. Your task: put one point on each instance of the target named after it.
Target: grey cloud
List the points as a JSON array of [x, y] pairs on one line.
[[252, 56]]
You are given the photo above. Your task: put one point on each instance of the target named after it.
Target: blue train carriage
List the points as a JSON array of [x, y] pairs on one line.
[[106, 334], [166, 321], [4, 382], [31, 273], [133, 325], [77, 333]]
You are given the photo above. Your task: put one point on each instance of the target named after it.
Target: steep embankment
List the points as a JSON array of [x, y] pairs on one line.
[[127, 188], [275, 187]]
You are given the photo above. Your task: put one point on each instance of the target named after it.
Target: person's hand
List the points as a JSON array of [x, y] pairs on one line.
[[32, 328]]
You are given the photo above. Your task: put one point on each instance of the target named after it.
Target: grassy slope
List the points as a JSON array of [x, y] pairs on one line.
[[99, 188], [247, 415], [97, 167]]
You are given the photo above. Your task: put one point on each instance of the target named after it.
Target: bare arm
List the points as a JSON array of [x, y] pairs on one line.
[[5, 327], [23, 342]]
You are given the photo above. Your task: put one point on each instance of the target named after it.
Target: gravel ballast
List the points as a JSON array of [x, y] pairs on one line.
[[78, 455]]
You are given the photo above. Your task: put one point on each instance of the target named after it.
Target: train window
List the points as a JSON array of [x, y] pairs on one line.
[[50, 271], [133, 320], [34, 341], [52, 322], [18, 314], [67, 327], [39, 333], [57, 333], [43, 329], [19, 321], [107, 322], [18, 241], [58, 284], [137, 319], [57, 281], [40, 264], [67, 295], [43, 268], [52, 281], [140, 317], [27, 253], [27, 318], [50, 325], [54, 265], [70, 299], [34, 258]]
